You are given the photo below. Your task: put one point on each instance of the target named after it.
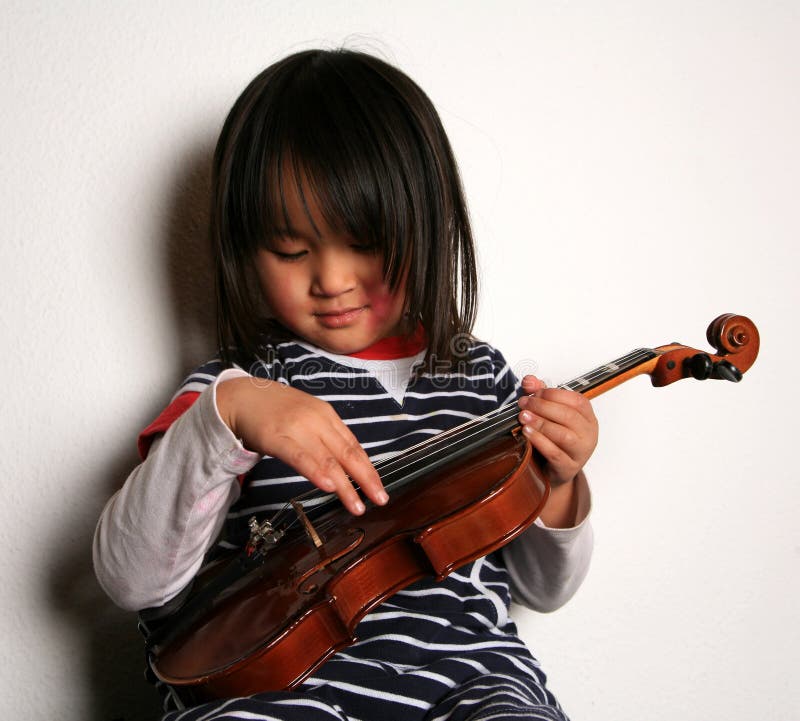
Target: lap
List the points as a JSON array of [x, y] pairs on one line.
[[484, 697]]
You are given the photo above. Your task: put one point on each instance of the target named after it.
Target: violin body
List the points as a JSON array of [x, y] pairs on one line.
[[271, 624], [303, 603]]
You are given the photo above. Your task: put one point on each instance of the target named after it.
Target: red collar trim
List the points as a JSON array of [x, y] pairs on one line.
[[396, 346]]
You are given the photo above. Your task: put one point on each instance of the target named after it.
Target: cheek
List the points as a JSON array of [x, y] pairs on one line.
[[279, 289], [385, 304]]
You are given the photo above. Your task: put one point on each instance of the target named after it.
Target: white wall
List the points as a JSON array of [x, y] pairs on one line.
[[633, 172]]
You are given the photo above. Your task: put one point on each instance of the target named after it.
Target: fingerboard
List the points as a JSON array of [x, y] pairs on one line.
[[604, 373]]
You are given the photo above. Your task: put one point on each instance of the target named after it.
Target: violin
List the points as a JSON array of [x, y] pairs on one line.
[[266, 619]]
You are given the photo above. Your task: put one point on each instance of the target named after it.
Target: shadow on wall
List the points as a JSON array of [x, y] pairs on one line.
[[114, 679], [188, 262]]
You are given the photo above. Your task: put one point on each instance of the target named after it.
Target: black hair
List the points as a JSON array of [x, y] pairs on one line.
[[369, 145]]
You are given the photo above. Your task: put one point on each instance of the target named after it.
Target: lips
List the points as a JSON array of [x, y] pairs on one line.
[[339, 318]]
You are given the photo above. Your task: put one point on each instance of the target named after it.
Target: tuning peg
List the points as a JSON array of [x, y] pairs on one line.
[[727, 371], [700, 366]]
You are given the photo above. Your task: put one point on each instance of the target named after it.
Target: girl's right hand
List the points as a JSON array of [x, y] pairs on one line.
[[302, 431]]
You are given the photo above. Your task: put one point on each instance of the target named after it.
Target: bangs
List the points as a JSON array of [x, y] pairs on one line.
[[345, 140]]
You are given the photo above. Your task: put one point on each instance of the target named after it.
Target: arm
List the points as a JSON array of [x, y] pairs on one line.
[[305, 433], [549, 561], [547, 565], [153, 533]]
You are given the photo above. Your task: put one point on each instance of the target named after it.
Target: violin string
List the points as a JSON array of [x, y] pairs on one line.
[[504, 413], [400, 461], [587, 380], [397, 470], [466, 434], [444, 437], [402, 458], [476, 426], [481, 425], [389, 466]]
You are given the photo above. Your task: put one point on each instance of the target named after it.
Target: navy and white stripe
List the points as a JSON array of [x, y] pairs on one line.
[[433, 651]]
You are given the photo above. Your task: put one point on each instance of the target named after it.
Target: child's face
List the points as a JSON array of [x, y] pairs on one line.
[[327, 287]]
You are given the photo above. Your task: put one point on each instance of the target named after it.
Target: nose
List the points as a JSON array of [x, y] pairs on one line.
[[334, 273]]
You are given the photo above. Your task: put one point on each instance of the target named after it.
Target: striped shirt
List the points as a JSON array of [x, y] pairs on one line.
[[428, 645], [434, 650]]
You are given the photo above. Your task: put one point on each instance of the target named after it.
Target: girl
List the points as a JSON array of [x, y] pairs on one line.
[[346, 294]]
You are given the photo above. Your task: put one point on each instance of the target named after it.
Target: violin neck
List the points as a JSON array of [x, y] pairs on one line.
[[611, 374], [445, 447], [472, 435]]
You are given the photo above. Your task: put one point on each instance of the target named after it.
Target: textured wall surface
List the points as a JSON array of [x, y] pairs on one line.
[[632, 169]]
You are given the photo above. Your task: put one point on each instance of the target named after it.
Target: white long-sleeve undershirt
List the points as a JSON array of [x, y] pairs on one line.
[[154, 532]]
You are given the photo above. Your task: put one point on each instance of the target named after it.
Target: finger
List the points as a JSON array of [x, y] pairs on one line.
[[352, 464], [569, 399], [322, 469], [531, 384], [562, 436], [345, 490], [346, 462], [558, 413], [356, 463], [560, 465]]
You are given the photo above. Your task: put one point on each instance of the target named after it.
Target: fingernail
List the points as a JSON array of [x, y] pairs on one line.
[[525, 417], [359, 508], [382, 498]]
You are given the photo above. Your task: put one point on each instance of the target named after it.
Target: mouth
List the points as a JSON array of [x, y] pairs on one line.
[[339, 318]]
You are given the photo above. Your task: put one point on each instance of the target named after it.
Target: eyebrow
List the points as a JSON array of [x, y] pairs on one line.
[[289, 234]]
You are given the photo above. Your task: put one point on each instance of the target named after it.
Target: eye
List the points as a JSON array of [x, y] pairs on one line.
[[366, 248], [289, 257]]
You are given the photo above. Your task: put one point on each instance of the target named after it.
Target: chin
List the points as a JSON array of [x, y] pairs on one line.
[[344, 348], [339, 346]]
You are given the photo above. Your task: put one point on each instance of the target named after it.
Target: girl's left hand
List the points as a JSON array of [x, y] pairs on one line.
[[561, 425]]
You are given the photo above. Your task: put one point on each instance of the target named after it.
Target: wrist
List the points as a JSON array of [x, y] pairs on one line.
[[561, 509], [557, 481]]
